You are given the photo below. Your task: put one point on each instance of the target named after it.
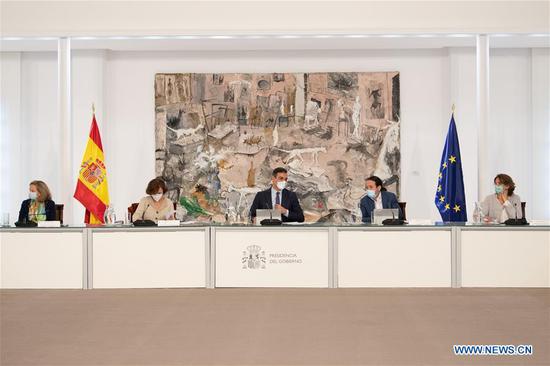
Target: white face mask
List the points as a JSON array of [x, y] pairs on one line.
[[281, 185], [157, 196], [33, 195]]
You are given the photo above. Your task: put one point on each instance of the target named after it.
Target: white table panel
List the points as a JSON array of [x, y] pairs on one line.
[[282, 257], [396, 258], [149, 259], [41, 259], [505, 258]]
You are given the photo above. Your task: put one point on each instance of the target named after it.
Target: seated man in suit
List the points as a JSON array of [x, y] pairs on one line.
[[377, 197], [279, 198]]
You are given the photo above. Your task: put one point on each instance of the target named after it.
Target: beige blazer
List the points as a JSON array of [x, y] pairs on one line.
[[146, 211]]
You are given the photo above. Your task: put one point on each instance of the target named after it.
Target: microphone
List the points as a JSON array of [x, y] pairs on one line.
[[393, 220], [26, 222], [516, 221], [144, 222], [271, 221], [143, 213]]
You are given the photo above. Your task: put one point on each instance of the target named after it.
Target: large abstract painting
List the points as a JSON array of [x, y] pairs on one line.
[[218, 137]]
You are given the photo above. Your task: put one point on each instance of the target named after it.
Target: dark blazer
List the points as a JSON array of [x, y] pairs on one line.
[[289, 200], [24, 211], [389, 200]]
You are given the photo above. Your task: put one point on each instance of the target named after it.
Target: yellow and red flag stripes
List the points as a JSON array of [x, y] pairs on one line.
[[92, 189]]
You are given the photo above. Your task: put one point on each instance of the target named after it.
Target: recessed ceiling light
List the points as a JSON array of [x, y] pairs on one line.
[[221, 37], [539, 35], [289, 36], [391, 36], [460, 35]]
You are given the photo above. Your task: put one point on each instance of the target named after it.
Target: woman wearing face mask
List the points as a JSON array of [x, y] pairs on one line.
[[377, 197], [39, 206], [155, 206], [504, 204]]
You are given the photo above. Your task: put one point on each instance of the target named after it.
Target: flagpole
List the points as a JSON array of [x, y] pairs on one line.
[[93, 108]]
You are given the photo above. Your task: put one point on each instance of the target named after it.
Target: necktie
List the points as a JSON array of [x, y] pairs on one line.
[[277, 198]]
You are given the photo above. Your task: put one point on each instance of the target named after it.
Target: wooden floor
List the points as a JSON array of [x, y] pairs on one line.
[[271, 326]]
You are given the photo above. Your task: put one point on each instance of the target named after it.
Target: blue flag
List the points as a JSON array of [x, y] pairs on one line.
[[449, 196]]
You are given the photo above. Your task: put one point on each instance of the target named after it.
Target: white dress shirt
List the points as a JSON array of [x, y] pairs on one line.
[[378, 201]]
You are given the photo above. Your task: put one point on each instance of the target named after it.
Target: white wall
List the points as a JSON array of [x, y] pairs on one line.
[[121, 84], [130, 108], [30, 126], [540, 133]]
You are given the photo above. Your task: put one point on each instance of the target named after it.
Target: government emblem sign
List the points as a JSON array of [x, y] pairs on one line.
[[253, 257]]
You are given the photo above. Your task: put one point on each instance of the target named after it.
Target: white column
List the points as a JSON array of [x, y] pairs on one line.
[[482, 92], [64, 100]]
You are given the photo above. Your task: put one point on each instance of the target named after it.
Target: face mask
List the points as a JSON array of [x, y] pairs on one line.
[[157, 196], [499, 189], [281, 185], [33, 195], [371, 193]]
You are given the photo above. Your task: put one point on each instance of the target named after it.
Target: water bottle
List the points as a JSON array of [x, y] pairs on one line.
[[109, 216], [477, 213]]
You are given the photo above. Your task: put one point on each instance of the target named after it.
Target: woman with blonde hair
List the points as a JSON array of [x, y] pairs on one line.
[[39, 206]]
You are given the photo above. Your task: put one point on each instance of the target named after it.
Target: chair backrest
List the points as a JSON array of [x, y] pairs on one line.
[[59, 212], [402, 206], [523, 209], [133, 207]]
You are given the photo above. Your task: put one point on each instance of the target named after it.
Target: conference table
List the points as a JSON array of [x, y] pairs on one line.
[[298, 256]]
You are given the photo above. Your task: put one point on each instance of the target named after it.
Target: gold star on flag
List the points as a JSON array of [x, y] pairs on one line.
[[444, 165], [439, 188], [452, 159], [456, 208], [441, 198], [440, 175], [447, 206]]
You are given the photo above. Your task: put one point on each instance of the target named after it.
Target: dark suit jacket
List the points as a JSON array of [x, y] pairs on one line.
[[24, 211], [389, 200], [289, 200]]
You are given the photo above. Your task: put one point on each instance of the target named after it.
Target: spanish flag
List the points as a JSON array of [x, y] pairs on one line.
[[91, 188]]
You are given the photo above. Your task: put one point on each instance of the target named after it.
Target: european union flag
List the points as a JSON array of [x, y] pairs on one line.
[[449, 196]]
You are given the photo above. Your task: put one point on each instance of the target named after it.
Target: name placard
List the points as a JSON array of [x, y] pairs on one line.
[[169, 223], [49, 223]]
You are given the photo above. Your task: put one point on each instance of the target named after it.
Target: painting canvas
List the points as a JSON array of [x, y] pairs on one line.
[[218, 137]]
